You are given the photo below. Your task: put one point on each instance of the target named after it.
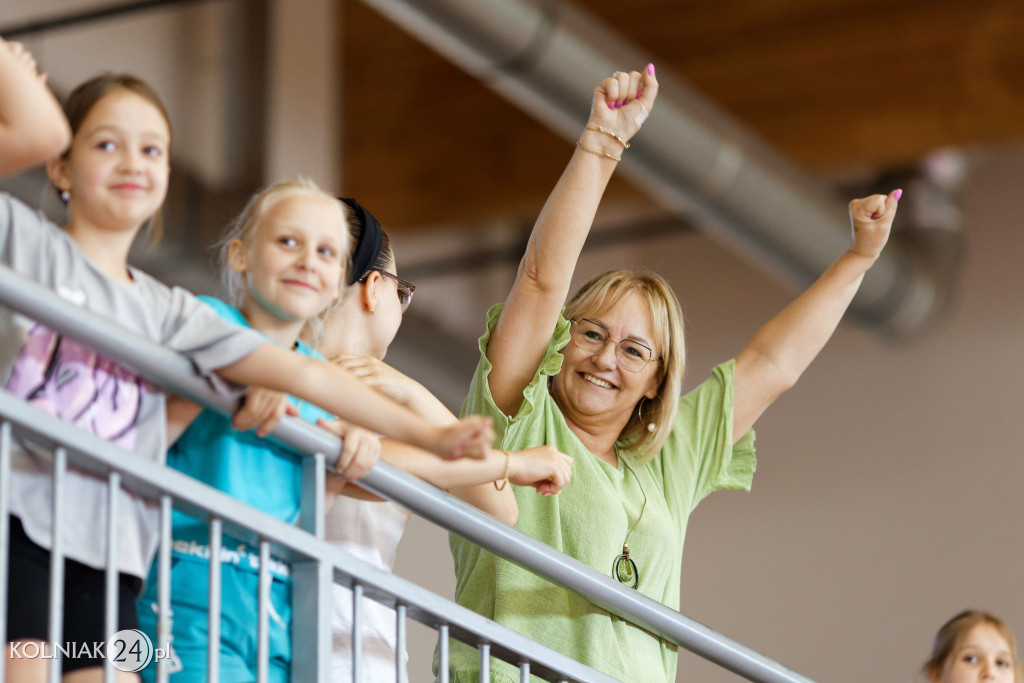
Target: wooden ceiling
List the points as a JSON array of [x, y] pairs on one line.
[[833, 84]]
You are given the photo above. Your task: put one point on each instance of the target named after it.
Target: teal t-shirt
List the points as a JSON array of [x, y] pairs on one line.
[[259, 472], [589, 520]]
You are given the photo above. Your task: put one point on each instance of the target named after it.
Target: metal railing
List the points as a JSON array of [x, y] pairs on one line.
[[174, 372], [316, 564]]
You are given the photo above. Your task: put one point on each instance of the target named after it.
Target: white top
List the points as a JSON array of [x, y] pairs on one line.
[[371, 532]]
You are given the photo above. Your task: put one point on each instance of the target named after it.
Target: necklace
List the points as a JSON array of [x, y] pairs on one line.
[[624, 568]]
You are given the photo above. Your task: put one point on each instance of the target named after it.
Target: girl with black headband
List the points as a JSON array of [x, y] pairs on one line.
[[356, 335]]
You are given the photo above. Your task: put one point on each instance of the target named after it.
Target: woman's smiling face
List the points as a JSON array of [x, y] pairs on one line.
[[593, 383]]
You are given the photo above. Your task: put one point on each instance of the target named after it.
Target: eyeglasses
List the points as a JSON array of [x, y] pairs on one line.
[[630, 354], [405, 288]]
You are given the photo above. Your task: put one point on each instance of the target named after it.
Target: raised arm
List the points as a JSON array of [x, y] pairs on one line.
[[781, 350], [32, 125], [620, 106]]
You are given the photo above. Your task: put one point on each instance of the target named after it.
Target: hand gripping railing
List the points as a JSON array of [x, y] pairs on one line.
[[175, 373]]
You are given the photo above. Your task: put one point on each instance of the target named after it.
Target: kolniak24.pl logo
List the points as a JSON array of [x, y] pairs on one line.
[[129, 650]]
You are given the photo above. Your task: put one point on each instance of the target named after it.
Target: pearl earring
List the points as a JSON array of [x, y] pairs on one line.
[[65, 196], [640, 414]]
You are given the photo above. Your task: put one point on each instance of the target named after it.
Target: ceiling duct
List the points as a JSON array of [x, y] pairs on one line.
[[546, 55]]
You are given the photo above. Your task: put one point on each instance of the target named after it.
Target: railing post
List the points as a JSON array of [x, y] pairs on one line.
[[311, 620], [56, 614], [112, 576], [163, 579], [5, 529]]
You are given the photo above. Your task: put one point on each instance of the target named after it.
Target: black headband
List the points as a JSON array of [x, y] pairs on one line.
[[371, 239]]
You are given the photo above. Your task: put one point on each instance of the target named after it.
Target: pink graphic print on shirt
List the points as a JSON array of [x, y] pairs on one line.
[[73, 382]]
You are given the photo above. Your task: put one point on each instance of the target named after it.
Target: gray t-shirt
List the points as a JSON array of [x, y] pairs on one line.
[[73, 382]]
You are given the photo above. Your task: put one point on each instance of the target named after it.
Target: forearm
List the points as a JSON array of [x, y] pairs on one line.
[[180, 414], [429, 407], [333, 389], [445, 474], [469, 480], [792, 339]]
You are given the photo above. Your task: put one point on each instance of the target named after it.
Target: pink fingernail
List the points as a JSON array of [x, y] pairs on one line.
[[897, 194], [650, 68], [639, 94]]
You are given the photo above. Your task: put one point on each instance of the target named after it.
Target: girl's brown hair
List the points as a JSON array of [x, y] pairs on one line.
[[951, 636], [82, 100]]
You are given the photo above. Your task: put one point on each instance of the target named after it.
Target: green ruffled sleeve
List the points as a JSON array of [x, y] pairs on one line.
[[699, 456], [479, 400]]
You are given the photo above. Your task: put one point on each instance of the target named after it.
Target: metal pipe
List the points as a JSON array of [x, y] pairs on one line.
[[545, 56]]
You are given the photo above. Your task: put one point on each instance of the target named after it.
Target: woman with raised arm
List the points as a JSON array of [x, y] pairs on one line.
[[601, 379]]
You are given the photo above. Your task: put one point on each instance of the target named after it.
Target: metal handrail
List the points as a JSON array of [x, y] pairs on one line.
[[166, 368], [98, 457]]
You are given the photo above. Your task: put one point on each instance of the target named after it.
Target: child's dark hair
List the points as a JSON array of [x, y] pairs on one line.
[[82, 99]]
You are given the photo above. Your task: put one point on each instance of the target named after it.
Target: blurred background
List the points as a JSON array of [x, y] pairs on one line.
[[887, 495]]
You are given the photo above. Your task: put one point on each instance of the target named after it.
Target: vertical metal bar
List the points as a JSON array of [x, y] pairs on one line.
[[402, 676], [56, 597], [312, 512], [442, 653], [485, 663], [213, 628], [163, 589], [357, 631], [55, 630], [312, 582], [5, 529], [263, 616], [110, 595], [524, 672]]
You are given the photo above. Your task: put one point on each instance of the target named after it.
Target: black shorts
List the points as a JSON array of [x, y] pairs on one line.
[[28, 599]]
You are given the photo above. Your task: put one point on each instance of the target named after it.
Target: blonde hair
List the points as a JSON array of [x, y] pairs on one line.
[[606, 290], [951, 637], [244, 225]]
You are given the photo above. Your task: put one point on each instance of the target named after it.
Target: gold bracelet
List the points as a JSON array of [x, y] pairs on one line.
[[504, 479], [611, 134], [597, 152]]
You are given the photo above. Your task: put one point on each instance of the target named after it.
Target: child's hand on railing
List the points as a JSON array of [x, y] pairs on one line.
[[470, 437], [360, 449], [545, 468], [263, 410]]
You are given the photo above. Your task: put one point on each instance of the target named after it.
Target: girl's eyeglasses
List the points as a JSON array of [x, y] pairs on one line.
[[405, 288]]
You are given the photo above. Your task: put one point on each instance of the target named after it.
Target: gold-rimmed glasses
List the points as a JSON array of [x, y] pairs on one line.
[[631, 354], [405, 288]]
